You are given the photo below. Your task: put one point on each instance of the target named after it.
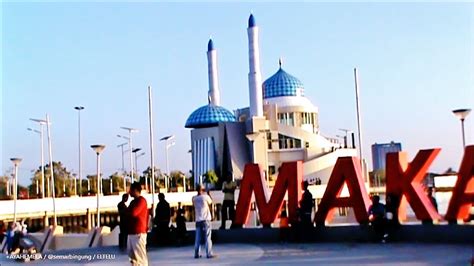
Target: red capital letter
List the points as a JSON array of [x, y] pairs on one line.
[[405, 179], [347, 169], [463, 192], [289, 178]]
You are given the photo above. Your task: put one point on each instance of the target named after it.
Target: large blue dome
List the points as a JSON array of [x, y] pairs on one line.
[[209, 115], [282, 84]]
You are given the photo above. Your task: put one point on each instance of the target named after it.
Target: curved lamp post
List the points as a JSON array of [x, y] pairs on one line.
[[462, 114], [98, 149], [130, 146], [169, 141], [16, 163], [41, 122]]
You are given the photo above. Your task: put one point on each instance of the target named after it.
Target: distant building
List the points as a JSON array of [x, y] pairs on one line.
[[379, 153]]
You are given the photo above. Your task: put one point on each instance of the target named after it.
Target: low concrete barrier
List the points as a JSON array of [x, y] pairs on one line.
[[453, 234]]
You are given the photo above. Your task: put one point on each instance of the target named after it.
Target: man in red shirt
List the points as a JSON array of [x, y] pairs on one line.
[[138, 226]]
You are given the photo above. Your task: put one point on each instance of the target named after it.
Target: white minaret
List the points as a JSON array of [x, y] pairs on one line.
[[214, 94], [255, 76]]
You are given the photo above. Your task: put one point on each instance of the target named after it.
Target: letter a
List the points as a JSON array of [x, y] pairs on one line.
[[347, 169], [463, 192], [289, 178]]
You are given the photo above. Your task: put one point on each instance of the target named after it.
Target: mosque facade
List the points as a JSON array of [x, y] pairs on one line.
[[279, 125]]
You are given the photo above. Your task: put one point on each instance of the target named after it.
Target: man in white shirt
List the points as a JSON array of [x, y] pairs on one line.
[[203, 216]]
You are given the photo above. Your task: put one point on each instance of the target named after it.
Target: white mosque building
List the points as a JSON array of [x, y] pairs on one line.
[[280, 125]]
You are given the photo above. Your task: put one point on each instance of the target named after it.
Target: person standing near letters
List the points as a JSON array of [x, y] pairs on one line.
[[228, 205], [137, 218], [202, 211]]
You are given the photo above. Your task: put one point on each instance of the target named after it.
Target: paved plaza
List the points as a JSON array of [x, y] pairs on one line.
[[282, 254]]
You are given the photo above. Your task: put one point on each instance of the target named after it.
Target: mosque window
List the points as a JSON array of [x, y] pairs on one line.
[[286, 142]]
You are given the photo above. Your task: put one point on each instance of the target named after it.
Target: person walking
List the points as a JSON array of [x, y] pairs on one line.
[[202, 211], [228, 205], [137, 218], [122, 210]]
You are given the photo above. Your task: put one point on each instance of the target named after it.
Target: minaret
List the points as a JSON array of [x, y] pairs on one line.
[[214, 94], [255, 76]]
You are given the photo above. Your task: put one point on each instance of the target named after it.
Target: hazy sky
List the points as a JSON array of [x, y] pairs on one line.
[[415, 64]]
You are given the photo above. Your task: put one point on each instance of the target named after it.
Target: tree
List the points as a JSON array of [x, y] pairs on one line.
[[117, 181], [63, 180], [210, 178]]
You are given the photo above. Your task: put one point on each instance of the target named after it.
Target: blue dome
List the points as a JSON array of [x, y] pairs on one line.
[[209, 115], [282, 84]]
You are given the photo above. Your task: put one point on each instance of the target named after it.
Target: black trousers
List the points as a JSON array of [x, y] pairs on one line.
[[123, 237], [228, 206]]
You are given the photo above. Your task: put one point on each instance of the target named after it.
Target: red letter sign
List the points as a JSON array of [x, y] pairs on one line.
[[347, 169], [463, 192], [289, 178], [407, 181]]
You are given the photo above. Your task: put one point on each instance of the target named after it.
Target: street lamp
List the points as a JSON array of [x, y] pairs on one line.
[[98, 149], [169, 141], [121, 147], [462, 114], [130, 146], [41, 122], [16, 163], [346, 137], [123, 162], [135, 151], [79, 109]]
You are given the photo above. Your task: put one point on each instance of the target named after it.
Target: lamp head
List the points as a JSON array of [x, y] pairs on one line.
[[98, 148], [40, 121], [16, 161], [131, 130], [170, 137], [79, 108], [461, 113]]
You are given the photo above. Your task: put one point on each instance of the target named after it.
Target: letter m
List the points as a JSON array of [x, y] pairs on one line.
[[289, 179]]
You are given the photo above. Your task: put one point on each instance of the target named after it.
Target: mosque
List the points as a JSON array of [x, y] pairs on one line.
[[280, 125]]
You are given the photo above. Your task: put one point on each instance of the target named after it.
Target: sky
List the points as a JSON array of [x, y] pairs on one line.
[[415, 63]]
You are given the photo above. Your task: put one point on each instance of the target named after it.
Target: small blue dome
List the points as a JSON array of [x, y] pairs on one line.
[[208, 116], [282, 84], [210, 45], [251, 21]]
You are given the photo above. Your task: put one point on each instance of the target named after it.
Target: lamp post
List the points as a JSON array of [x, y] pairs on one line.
[[346, 137], [79, 109], [16, 163], [123, 162], [169, 141], [98, 149], [41, 123], [130, 146], [462, 114], [137, 155], [121, 147]]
